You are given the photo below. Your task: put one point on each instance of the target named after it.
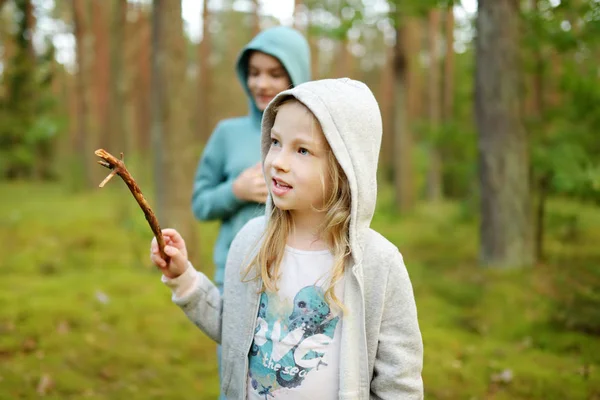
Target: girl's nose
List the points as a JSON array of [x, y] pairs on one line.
[[281, 161]]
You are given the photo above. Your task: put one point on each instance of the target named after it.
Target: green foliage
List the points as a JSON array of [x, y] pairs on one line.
[[574, 284], [29, 123], [565, 148]]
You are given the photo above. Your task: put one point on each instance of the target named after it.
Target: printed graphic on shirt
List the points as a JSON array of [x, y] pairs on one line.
[[290, 343]]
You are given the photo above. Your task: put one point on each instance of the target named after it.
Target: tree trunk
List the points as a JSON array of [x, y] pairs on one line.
[[256, 18], [141, 55], [101, 74], [506, 238], [386, 95], [297, 6], [403, 140], [84, 146], [118, 132], [448, 94], [204, 79], [175, 158], [434, 172]]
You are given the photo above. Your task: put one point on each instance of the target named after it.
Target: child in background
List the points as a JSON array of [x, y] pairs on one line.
[[229, 185], [316, 304]]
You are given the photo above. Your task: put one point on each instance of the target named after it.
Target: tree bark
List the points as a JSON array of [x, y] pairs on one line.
[[386, 95], [118, 168], [83, 137], [434, 172], [403, 140], [448, 93], [256, 18], [101, 82], [120, 136], [204, 79], [175, 156], [505, 229]]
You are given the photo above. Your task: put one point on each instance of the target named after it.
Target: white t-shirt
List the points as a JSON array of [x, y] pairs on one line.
[[296, 349]]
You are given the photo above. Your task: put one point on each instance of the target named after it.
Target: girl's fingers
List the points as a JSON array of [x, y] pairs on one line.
[[158, 261]]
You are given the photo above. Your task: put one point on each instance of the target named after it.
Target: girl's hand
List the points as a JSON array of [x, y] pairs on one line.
[[174, 248]]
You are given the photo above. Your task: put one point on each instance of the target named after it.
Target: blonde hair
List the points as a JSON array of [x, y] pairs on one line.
[[334, 230]]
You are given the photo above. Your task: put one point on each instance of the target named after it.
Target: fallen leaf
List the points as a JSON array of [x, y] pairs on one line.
[[29, 345], [63, 327], [506, 376], [46, 384]]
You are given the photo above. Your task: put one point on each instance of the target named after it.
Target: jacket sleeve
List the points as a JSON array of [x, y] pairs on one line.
[[399, 360], [199, 299], [213, 196]]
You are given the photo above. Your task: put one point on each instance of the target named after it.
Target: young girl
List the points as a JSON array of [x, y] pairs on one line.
[[316, 305], [229, 185]]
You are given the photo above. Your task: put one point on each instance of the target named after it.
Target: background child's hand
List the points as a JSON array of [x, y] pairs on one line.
[[174, 248], [250, 185]]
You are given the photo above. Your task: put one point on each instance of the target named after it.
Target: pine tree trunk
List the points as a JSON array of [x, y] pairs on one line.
[[84, 138], [204, 50], [403, 140], [506, 238], [448, 93], [434, 173], [256, 18], [118, 131], [386, 95], [175, 157], [141, 61], [101, 74]]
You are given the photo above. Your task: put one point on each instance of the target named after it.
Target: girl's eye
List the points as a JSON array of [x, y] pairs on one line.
[[303, 151], [274, 142]]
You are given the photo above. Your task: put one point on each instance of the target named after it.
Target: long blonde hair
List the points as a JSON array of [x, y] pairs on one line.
[[334, 231]]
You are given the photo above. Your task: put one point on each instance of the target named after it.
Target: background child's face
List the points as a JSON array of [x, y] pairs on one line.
[[266, 78], [296, 164]]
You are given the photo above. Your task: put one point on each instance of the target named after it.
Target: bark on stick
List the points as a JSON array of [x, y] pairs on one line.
[[117, 167]]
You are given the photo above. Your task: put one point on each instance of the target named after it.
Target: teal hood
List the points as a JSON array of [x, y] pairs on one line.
[[288, 46]]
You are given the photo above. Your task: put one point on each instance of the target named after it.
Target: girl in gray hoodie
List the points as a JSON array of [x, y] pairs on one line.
[[316, 304]]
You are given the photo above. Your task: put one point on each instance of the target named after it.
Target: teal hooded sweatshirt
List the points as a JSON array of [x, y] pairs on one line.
[[235, 144]]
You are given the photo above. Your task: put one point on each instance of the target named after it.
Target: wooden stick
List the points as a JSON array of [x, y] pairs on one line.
[[117, 167]]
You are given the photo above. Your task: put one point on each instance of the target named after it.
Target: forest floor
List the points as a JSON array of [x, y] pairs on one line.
[[83, 314]]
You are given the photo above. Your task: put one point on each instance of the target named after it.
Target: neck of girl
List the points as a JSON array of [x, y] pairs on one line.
[[305, 233]]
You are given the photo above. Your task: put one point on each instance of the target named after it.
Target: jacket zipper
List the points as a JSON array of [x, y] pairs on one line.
[[364, 373], [249, 344]]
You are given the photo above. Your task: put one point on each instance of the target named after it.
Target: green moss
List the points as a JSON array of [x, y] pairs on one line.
[[80, 303]]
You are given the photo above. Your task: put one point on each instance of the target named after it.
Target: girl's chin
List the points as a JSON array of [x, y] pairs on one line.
[[280, 204]]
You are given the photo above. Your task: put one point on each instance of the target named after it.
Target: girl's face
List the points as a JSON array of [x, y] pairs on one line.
[[296, 166], [266, 78]]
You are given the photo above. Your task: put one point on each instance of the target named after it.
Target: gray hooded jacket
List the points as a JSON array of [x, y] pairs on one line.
[[381, 349]]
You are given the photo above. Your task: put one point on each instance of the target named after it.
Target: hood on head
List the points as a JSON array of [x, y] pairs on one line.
[[351, 121], [288, 46]]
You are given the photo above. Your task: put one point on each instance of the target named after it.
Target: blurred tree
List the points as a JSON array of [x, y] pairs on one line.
[[406, 50], [139, 36], [256, 17], [120, 137], [102, 75], [503, 145], [560, 94], [85, 140], [174, 156], [434, 169], [27, 128], [204, 76]]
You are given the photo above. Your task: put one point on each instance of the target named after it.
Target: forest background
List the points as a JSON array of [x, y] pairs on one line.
[[489, 183]]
